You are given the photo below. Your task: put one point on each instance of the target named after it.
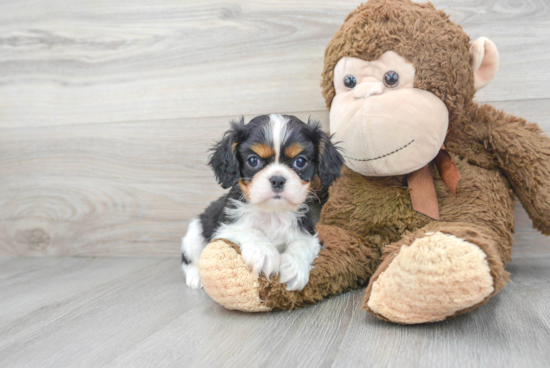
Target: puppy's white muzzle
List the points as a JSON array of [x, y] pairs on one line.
[[277, 187]]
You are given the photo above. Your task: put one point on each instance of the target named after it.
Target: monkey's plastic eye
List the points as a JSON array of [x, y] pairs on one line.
[[300, 163], [253, 162], [350, 81], [391, 79]]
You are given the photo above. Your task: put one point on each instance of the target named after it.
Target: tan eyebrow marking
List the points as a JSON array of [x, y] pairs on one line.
[[263, 150], [293, 150], [244, 187]]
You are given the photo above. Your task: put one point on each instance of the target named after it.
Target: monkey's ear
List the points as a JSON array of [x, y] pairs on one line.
[[329, 160], [484, 61], [223, 160]]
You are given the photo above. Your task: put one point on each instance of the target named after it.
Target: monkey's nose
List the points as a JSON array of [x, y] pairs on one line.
[[368, 89], [277, 183]]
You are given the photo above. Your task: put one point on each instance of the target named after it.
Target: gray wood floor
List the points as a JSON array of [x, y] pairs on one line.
[[107, 109], [137, 312]]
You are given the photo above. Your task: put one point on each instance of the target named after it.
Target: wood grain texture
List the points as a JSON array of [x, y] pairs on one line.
[[531, 276], [137, 312], [107, 109], [29, 284], [507, 332], [112, 189], [64, 62], [131, 188]]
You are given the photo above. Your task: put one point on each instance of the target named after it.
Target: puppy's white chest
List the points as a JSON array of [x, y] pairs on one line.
[[280, 228]]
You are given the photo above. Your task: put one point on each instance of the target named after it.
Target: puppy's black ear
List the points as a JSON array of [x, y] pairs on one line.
[[329, 161], [223, 159]]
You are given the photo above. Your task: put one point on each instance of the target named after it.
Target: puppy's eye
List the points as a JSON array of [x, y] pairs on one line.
[[253, 162], [300, 163], [391, 79], [350, 81]]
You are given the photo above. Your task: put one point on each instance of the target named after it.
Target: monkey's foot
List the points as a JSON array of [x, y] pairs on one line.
[[227, 279], [230, 282], [435, 277]]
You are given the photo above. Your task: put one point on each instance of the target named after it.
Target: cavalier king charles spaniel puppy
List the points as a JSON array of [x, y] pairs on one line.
[[270, 164]]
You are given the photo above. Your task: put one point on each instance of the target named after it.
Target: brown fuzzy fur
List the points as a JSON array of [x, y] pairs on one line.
[[366, 220], [421, 34]]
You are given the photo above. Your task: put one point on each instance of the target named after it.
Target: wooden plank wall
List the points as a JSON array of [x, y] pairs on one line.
[[107, 108]]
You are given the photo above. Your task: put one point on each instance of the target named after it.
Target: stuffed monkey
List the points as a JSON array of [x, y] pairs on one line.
[[423, 214]]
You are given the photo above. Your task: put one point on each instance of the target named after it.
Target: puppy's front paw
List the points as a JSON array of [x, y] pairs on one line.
[[192, 278], [294, 272], [261, 257]]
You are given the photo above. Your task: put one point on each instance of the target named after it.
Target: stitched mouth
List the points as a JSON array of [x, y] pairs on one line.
[[379, 157]]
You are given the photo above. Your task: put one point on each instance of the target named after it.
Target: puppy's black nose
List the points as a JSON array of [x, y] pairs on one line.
[[277, 182]]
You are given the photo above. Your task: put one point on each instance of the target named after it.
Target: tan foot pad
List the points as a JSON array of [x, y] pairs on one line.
[[432, 279], [228, 280]]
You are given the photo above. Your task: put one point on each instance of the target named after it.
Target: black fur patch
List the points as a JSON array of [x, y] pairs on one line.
[[214, 215], [223, 159], [307, 222]]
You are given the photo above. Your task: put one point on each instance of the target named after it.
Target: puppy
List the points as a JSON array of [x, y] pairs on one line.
[[270, 165]]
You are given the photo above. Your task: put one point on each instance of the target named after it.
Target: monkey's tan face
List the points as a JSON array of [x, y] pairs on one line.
[[386, 126]]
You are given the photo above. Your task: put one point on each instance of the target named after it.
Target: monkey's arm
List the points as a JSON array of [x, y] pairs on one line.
[[522, 151]]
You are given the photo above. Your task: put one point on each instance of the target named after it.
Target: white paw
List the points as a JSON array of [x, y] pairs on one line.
[[294, 272], [261, 257], [192, 278]]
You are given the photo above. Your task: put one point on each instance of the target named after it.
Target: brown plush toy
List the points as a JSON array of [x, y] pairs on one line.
[[423, 213]]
